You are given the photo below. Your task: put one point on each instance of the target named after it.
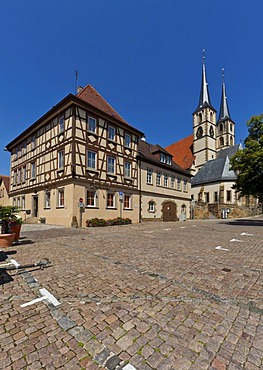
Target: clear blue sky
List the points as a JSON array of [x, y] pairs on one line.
[[143, 56]]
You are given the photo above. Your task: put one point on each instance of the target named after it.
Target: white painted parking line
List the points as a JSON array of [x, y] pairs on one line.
[[236, 240], [15, 263], [128, 367], [247, 234], [33, 302], [183, 227], [49, 297], [167, 229], [45, 295], [221, 249]]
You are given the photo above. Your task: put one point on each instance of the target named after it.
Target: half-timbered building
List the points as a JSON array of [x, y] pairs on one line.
[[80, 153]]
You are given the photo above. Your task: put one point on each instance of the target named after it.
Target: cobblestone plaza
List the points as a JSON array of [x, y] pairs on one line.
[[181, 295]]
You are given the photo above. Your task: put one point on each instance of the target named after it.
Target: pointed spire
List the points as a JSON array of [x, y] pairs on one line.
[[204, 98], [224, 110]]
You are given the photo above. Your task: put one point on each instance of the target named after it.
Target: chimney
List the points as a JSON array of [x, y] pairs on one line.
[[79, 89]]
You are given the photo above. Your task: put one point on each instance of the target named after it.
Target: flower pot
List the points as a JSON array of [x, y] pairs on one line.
[[6, 240], [15, 228]]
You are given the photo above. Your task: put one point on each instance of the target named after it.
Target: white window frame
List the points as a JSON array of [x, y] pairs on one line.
[[33, 142], [93, 198], [61, 124], [179, 183], [92, 124], [168, 160], [111, 165], [127, 140], [158, 178], [61, 204], [111, 133], [61, 159], [185, 185], [92, 162], [149, 176], [127, 169], [165, 180], [151, 206], [162, 158], [33, 170], [129, 196], [114, 200], [172, 182], [47, 198]]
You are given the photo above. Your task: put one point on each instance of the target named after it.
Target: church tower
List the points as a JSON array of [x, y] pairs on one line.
[[225, 132], [204, 125]]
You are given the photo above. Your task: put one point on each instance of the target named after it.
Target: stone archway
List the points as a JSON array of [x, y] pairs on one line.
[[169, 211]]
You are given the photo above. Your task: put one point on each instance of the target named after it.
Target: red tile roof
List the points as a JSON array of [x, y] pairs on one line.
[[91, 96], [6, 181], [182, 152]]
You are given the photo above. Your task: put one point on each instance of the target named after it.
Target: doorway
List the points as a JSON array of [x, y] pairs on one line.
[[169, 211], [35, 206]]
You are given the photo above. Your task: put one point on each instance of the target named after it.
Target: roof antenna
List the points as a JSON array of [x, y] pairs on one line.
[[76, 82]]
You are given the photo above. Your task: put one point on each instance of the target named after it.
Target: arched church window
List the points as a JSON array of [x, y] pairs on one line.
[[231, 127], [231, 140], [200, 117], [221, 127], [211, 116], [221, 141]]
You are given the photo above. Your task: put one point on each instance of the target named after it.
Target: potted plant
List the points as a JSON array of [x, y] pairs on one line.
[[9, 219]]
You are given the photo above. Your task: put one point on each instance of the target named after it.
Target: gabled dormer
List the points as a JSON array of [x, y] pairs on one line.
[[161, 154]]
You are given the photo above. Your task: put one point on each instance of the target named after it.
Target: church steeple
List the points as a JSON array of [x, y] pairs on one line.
[[225, 125], [204, 98], [224, 110], [204, 125]]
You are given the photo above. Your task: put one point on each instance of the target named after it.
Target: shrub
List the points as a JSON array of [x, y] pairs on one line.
[[95, 222]]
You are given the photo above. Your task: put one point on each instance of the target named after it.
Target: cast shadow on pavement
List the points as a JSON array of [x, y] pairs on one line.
[[245, 222]]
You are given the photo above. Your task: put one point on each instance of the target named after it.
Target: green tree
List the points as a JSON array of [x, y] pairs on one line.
[[248, 163]]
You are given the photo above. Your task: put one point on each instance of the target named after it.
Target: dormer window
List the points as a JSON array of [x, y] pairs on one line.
[[162, 158], [165, 159]]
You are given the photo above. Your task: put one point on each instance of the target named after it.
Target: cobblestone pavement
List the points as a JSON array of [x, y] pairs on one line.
[[185, 295]]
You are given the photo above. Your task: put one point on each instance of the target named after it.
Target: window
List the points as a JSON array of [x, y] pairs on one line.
[[33, 142], [151, 206], [185, 185], [127, 140], [158, 178], [47, 199], [231, 127], [149, 176], [61, 125], [215, 196], [24, 148], [91, 198], [23, 202], [168, 160], [165, 180], [111, 165], [92, 160], [162, 158], [111, 133], [110, 200], [207, 197], [228, 196], [127, 169], [92, 124], [172, 181], [33, 170], [178, 184], [61, 199], [221, 141], [183, 208], [127, 201], [23, 174], [61, 159], [19, 175]]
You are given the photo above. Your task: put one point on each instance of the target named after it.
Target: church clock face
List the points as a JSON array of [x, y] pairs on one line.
[[211, 131], [199, 132]]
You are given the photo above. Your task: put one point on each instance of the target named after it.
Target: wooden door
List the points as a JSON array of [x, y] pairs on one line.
[[169, 211]]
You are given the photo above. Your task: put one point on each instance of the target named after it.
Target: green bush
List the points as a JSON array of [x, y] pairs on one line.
[[96, 222]]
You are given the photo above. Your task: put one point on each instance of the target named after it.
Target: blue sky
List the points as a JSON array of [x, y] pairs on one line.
[[143, 56]]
